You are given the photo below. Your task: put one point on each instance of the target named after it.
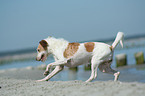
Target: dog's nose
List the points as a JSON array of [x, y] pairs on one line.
[[37, 59]]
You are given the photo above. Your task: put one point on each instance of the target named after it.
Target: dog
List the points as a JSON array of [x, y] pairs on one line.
[[74, 54]]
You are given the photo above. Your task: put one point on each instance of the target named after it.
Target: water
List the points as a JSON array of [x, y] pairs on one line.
[[131, 47], [130, 74], [22, 64]]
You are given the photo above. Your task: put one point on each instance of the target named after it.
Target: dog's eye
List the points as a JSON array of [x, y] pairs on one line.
[[38, 50]]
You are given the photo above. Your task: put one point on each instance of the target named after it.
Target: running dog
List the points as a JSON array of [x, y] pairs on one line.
[[74, 54]]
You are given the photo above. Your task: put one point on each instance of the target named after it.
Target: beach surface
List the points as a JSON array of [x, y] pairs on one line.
[[22, 82]]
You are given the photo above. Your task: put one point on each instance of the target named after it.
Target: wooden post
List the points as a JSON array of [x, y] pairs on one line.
[[87, 67], [139, 56], [121, 60], [74, 68]]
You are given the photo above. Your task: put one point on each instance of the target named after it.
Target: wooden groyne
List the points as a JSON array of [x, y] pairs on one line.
[[121, 60], [139, 57]]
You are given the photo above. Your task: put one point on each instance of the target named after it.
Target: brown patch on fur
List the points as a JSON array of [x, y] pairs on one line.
[[44, 44], [89, 46], [71, 49]]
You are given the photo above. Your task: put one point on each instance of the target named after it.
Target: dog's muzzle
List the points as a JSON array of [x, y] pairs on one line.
[[42, 58], [37, 59]]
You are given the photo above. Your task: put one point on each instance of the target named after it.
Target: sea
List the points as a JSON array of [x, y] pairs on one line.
[[131, 46]]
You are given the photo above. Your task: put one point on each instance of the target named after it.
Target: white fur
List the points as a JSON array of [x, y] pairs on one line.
[[119, 38], [101, 57], [56, 47]]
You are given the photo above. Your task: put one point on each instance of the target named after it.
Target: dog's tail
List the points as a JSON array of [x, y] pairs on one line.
[[119, 38]]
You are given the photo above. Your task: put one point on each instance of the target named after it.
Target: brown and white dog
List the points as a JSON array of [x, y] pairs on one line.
[[74, 54]]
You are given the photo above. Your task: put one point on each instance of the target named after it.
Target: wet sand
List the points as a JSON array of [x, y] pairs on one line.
[[22, 82]]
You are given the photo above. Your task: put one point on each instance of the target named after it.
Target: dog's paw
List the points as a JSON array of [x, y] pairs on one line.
[[116, 76], [46, 73], [40, 80]]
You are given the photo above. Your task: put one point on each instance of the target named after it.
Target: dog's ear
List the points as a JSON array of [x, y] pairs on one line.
[[44, 44]]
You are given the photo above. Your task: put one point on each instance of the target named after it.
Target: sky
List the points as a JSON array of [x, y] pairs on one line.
[[23, 23]]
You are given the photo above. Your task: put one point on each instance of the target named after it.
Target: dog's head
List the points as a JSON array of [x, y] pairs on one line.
[[42, 51]]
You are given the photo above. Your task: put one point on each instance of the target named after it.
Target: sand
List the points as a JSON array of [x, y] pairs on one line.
[[15, 87], [22, 82]]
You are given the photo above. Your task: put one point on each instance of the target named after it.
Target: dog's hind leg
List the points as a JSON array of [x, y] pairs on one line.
[[106, 68], [94, 66]]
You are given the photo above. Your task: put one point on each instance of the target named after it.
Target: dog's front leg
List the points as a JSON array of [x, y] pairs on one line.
[[47, 70], [54, 72], [53, 64], [59, 66]]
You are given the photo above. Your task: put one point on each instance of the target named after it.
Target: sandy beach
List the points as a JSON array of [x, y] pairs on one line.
[[22, 82]]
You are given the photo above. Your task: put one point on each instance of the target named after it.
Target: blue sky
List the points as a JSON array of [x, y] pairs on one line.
[[23, 23]]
